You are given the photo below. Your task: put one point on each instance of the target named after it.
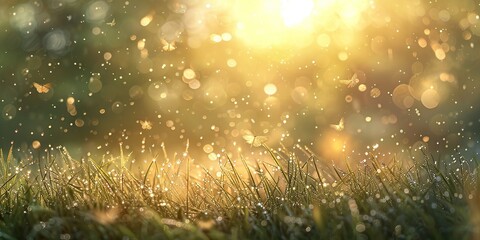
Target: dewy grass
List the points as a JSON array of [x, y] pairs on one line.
[[293, 196]]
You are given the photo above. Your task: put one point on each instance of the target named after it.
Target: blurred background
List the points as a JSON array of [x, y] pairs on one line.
[[343, 78]]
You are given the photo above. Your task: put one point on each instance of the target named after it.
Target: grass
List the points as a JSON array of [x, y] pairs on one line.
[[293, 195]]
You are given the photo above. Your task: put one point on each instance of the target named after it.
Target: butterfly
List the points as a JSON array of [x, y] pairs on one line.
[[168, 46], [45, 88], [147, 125], [253, 140], [112, 23], [351, 82], [340, 126]]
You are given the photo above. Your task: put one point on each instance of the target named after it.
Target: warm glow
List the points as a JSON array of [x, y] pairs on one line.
[[145, 21], [295, 12], [270, 89], [333, 145], [259, 23], [293, 23]]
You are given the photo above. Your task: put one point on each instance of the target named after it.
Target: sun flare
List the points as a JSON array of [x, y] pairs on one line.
[[294, 23], [295, 12]]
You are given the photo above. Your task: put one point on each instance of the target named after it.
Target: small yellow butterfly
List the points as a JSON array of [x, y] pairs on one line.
[[45, 88], [112, 23], [352, 82], [253, 140], [168, 46], [340, 126], [147, 125]]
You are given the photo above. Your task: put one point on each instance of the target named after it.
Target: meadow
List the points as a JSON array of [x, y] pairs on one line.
[[296, 195]]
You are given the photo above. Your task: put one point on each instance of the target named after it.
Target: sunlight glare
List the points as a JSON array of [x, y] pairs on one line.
[[295, 12], [291, 23]]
